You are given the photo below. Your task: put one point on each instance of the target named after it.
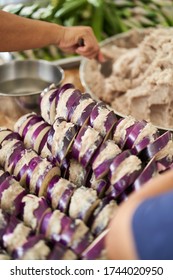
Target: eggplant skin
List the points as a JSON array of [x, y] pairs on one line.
[[102, 119], [35, 248], [60, 252], [124, 170], [79, 152], [146, 174], [96, 250]]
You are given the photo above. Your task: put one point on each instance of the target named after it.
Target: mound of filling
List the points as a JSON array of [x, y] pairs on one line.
[[141, 83]]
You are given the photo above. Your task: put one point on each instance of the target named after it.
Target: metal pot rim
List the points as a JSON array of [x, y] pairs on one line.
[[36, 62]]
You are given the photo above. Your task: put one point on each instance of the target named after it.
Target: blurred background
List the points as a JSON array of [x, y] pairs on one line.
[[107, 18]]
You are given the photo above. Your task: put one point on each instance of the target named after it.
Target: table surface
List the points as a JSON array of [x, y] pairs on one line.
[[71, 76]]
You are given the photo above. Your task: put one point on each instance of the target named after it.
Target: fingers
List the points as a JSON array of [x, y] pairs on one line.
[[72, 36], [90, 47], [87, 53]]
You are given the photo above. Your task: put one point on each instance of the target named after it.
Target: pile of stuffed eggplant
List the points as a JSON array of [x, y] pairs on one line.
[[63, 174]]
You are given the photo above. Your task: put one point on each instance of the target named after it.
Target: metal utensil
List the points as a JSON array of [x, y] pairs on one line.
[[105, 67]]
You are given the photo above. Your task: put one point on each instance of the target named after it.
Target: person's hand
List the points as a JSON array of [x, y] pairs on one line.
[[70, 38]]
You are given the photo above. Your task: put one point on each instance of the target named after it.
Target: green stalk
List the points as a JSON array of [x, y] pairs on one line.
[[167, 12], [13, 8], [97, 19], [70, 8], [28, 10]]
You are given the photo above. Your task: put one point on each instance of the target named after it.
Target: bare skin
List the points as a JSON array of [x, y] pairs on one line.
[[18, 33], [120, 243]]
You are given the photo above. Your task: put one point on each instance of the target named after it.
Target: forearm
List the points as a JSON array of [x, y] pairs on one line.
[[19, 33]]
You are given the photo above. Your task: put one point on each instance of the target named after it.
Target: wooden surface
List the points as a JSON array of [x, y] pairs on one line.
[[71, 76]]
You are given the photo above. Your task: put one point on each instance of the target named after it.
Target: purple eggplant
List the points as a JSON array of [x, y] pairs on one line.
[[20, 123], [16, 234], [140, 136], [4, 221], [32, 165], [85, 145], [88, 202], [33, 130], [39, 173], [146, 174], [112, 193], [160, 143], [44, 178], [53, 224], [100, 185], [148, 134], [103, 215], [4, 132], [35, 248], [33, 121], [140, 147], [65, 166], [124, 170], [21, 165], [165, 162], [104, 157], [60, 252], [11, 195], [60, 139], [96, 250], [122, 129], [3, 176], [42, 148], [52, 110], [10, 161], [62, 89], [7, 135], [47, 98], [102, 119], [65, 101], [134, 133], [76, 173], [26, 122], [43, 227], [5, 150], [76, 94], [64, 200], [37, 136], [80, 111], [59, 193], [33, 210], [76, 236], [50, 187], [80, 245]]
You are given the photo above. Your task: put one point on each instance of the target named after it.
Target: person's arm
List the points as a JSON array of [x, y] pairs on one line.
[[120, 240], [18, 33]]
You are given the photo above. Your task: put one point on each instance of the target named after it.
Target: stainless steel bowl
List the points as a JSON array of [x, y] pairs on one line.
[[21, 83]]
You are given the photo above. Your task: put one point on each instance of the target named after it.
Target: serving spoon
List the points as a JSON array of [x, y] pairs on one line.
[[105, 66]]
